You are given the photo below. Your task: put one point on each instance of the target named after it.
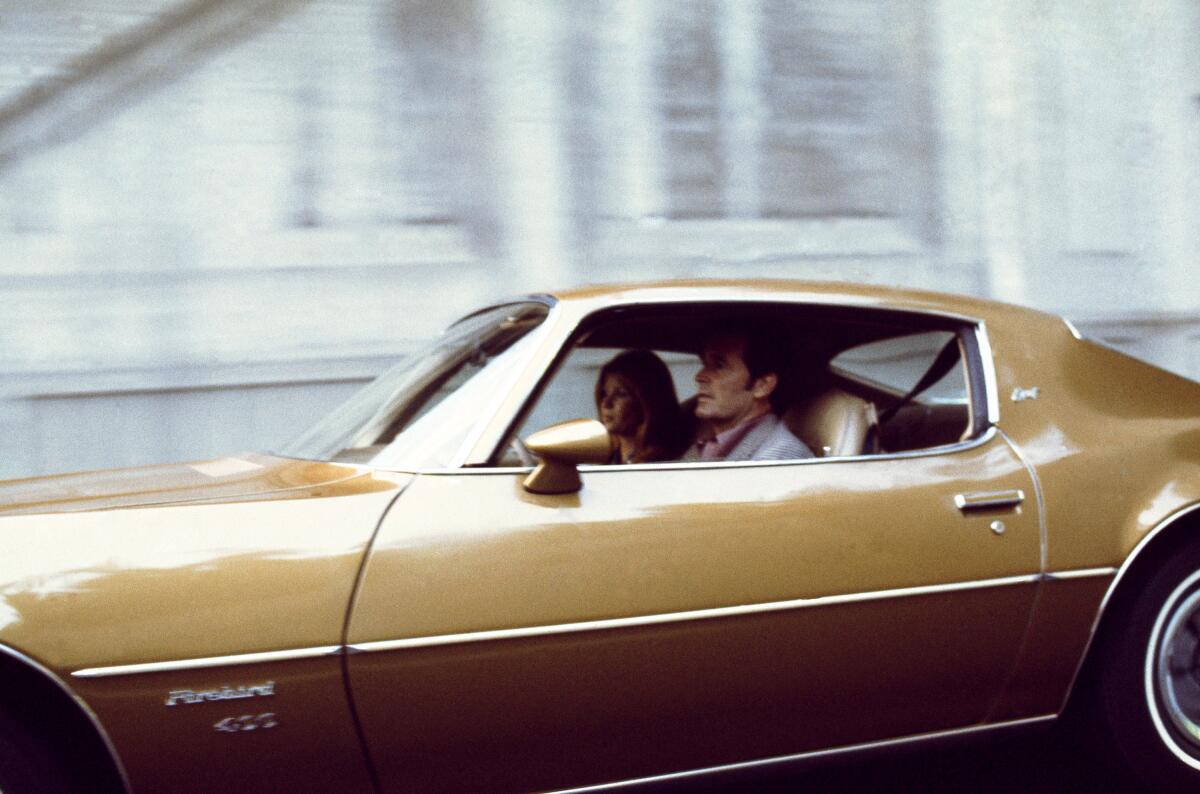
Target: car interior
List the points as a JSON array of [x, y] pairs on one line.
[[865, 380]]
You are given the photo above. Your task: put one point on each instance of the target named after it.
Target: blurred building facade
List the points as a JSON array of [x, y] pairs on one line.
[[218, 217]]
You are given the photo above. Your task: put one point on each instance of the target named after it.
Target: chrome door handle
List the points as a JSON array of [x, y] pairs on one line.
[[988, 500]]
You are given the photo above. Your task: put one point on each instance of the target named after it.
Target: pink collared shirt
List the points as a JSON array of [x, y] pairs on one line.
[[720, 445]]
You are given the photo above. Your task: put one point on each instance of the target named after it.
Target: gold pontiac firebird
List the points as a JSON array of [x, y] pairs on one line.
[[445, 585]]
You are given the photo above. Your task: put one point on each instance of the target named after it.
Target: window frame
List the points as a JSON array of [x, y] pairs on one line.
[[978, 363]]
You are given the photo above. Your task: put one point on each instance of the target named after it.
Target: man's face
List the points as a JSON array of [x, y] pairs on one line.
[[726, 395]]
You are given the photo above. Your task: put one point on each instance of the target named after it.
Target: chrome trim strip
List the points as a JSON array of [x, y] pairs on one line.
[[988, 362], [1043, 563], [814, 754], [1148, 676], [532, 297], [83, 706], [1116, 582], [678, 617], [983, 500], [1141, 545], [1079, 573], [556, 329], [1039, 499], [948, 449], [1072, 328], [209, 661]]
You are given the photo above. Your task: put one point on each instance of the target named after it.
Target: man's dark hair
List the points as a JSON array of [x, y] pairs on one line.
[[767, 350]]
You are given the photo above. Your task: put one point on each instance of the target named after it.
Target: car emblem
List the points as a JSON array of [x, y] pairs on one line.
[[1021, 395], [191, 696]]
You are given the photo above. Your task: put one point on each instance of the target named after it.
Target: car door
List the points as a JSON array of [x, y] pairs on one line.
[[672, 617]]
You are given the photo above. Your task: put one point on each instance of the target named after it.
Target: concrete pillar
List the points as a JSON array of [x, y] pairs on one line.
[[632, 177], [957, 41], [523, 66], [1008, 151], [433, 125], [310, 167], [741, 107], [1170, 88]]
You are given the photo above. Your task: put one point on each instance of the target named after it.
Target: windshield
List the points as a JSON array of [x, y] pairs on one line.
[[419, 412]]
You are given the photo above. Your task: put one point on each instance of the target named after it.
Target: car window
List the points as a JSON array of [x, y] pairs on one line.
[[887, 370], [571, 393], [419, 413], [896, 365], [847, 372]]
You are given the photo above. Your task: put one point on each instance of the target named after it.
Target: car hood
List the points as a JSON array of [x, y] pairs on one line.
[[248, 476], [238, 555]]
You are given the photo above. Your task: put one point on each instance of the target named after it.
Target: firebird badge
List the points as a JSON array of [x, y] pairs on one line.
[[1021, 395], [177, 696]]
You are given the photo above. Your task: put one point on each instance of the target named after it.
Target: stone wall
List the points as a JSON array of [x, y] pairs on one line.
[[216, 217]]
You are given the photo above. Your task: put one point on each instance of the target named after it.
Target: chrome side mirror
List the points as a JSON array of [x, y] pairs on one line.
[[561, 448]]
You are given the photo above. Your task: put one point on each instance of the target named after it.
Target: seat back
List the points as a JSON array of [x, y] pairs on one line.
[[835, 423]]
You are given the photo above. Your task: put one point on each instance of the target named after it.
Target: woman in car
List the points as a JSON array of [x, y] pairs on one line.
[[636, 403]]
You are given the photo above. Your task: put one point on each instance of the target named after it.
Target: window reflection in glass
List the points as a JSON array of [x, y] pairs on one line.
[[418, 413]]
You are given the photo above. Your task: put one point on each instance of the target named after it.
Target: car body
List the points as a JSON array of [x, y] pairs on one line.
[[416, 612]]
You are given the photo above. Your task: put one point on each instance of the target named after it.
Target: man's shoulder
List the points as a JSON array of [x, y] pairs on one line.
[[771, 440]]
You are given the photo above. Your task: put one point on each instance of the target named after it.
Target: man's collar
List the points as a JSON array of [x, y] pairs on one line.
[[718, 447]]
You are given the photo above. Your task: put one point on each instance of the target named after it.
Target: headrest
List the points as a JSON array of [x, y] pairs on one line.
[[834, 423]]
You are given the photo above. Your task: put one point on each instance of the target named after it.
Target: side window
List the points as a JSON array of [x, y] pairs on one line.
[[849, 382], [889, 370], [570, 394]]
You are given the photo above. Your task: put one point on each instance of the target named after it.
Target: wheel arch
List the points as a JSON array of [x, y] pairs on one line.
[[39, 698], [1177, 530]]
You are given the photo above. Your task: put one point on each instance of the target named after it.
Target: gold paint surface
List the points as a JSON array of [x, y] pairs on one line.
[[545, 713], [259, 560], [841, 293], [673, 540], [311, 746], [712, 691], [245, 573], [1115, 441], [575, 441], [241, 478], [1061, 625]]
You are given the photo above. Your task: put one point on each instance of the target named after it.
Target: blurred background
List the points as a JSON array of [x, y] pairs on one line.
[[218, 218]]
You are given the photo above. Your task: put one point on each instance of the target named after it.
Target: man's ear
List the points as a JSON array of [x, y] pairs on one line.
[[764, 385]]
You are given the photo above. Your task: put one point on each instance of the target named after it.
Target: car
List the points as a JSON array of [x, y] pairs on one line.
[[448, 584]]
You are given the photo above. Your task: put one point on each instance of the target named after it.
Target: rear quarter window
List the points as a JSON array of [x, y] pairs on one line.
[[888, 369], [895, 365]]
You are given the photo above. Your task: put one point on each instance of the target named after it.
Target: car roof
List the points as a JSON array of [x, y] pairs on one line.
[[798, 291]]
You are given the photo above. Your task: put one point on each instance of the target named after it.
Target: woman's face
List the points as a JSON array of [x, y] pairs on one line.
[[620, 412]]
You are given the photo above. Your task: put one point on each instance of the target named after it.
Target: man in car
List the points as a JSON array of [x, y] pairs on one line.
[[740, 392]]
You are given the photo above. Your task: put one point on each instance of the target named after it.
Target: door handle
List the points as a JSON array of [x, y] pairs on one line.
[[988, 500]]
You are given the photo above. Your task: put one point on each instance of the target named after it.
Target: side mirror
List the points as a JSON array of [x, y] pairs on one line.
[[561, 448]]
